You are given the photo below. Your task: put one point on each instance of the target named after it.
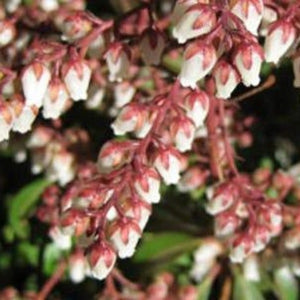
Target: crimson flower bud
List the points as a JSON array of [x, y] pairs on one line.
[[250, 12], [152, 46], [261, 236], [192, 179], [248, 59], [242, 246], [198, 60], [124, 235], [6, 120], [55, 100], [195, 21], [77, 76], [35, 79], [183, 132], [197, 105], [101, 258], [74, 222], [226, 79], [168, 165], [118, 61], [147, 183], [281, 35], [113, 155]]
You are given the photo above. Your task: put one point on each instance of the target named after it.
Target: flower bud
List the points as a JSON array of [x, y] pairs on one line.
[[24, 115], [192, 179], [226, 224], [280, 37], [152, 46], [195, 21], [269, 16], [147, 184], [113, 155], [223, 196], [241, 247], [7, 32], [296, 69], [49, 5], [248, 60], [77, 76], [182, 130], [199, 58], [132, 118], [74, 222], [35, 79], [118, 61], [60, 240], [181, 6], [168, 165], [292, 239], [123, 93], [197, 105], [77, 267], [6, 120], [226, 79], [101, 258], [261, 237], [95, 98], [250, 12], [124, 235], [55, 100], [271, 216]]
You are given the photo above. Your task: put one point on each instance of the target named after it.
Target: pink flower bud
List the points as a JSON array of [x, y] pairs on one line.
[[188, 292], [226, 224], [250, 12], [147, 184], [248, 60], [269, 16], [183, 132], [199, 59], [24, 115], [118, 61], [132, 118], [271, 216], [181, 6], [6, 120], [226, 79], [168, 165], [113, 155], [197, 105], [35, 79], [261, 237], [7, 33], [124, 235], [77, 76], [61, 240], [152, 46], [242, 246], [281, 36], [55, 100], [123, 93], [74, 222], [221, 198], [95, 98], [192, 179], [296, 68], [101, 258], [195, 21]]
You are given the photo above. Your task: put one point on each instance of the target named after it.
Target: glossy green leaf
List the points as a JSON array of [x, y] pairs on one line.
[[22, 203], [162, 245], [287, 286]]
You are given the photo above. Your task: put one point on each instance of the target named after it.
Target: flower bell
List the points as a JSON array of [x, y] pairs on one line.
[[198, 60], [6, 120], [7, 33], [35, 79]]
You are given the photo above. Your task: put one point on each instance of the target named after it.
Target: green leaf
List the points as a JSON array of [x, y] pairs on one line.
[[204, 288], [245, 290], [287, 286], [51, 257], [162, 245], [22, 203], [29, 252]]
